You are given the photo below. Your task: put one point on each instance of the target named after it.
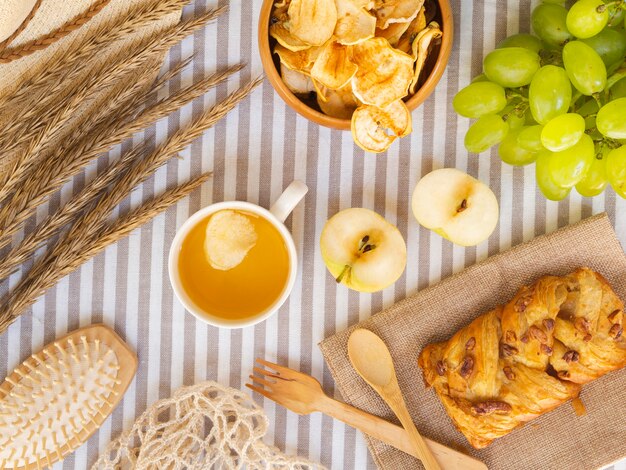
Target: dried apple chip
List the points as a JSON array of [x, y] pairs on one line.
[[396, 11], [354, 23], [229, 237], [421, 47], [301, 61], [321, 90], [312, 21], [333, 68], [279, 32], [384, 74], [297, 82], [339, 103], [416, 26], [375, 129], [393, 33]]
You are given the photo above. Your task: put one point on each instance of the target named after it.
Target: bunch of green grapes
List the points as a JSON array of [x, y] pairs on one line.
[[557, 99]]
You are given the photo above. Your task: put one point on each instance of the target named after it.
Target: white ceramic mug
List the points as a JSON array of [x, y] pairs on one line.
[[277, 214]]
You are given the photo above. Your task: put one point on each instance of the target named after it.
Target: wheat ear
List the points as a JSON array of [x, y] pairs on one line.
[[60, 114], [51, 225], [57, 268], [45, 182], [47, 271]]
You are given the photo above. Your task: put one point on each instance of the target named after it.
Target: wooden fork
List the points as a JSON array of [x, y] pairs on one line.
[[303, 394]]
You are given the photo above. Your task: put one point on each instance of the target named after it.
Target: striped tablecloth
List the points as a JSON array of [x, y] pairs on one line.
[[254, 153]]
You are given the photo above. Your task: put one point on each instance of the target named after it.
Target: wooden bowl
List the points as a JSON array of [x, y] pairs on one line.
[[433, 67]]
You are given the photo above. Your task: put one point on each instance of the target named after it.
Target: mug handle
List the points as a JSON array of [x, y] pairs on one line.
[[289, 199]]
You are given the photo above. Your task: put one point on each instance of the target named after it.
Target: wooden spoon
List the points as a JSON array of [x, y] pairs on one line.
[[371, 359]]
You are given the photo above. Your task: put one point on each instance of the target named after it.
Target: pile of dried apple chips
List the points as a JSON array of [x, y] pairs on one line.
[[361, 58]]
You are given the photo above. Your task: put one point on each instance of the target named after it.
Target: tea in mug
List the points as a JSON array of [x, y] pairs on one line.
[[234, 264]]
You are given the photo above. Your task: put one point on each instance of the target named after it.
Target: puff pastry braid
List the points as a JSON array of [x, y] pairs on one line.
[[529, 356]]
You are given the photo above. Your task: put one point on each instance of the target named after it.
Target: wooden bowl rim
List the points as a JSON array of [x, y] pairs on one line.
[[344, 124]]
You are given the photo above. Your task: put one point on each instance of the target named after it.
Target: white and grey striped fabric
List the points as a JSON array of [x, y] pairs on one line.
[[254, 153]]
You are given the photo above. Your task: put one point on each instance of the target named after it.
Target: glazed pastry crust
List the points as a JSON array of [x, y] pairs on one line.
[[529, 356]]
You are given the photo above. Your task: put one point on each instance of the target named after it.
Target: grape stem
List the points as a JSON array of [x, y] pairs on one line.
[[618, 4], [514, 94], [616, 77], [549, 57], [598, 98], [606, 141]]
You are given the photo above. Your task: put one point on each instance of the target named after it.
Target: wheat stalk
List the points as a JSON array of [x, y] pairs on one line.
[[95, 218], [67, 65], [59, 115], [67, 159], [57, 169], [32, 153], [56, 268], [77, 203], [85, 232], [52, 224]]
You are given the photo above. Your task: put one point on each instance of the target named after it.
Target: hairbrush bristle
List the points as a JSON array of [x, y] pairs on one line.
[[58, 397]]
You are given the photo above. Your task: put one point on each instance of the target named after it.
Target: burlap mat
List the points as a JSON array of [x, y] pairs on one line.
[[556, 440]]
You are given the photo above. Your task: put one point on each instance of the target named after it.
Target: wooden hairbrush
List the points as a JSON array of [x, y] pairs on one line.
[[56, 399]]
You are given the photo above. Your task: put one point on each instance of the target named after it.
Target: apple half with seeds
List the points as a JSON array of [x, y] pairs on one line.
[[456, 206], [362, 250]]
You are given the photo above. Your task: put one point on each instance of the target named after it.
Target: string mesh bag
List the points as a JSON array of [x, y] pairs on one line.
[[204, 426]]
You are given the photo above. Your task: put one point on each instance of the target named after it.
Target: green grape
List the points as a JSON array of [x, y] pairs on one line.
[[550, 93], [569, 166], [595, 181], [616, 170], [610, 46], [611, 119], [587, 18], [511, 67], [619, 89], [544, 179], [549, 23], [584, 67], [559, 2], [488, 131], [480, 78], [563, 132], [478, 99], [527, 41], [510, 151], [529, 138]]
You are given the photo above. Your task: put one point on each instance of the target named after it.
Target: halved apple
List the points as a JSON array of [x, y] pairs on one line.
[[456, 206], [362, 250]]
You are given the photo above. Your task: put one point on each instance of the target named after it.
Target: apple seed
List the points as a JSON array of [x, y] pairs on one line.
[[462, 207]]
